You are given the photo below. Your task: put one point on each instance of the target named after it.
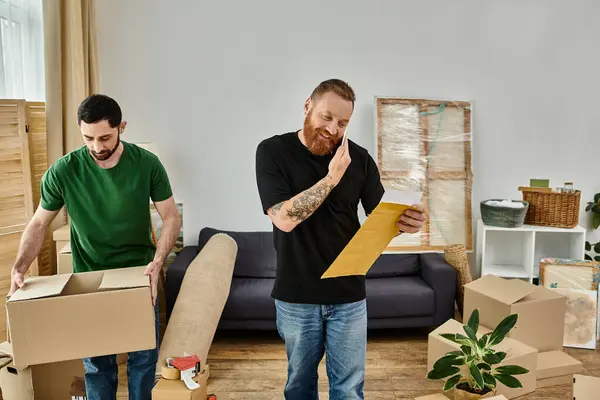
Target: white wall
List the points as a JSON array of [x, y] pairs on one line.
[[208, 82]]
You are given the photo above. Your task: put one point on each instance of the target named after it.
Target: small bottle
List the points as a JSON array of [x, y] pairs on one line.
[[568, 187]]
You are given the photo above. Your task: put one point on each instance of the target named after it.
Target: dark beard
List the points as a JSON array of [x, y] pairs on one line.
[[315, 143], [103, 156]]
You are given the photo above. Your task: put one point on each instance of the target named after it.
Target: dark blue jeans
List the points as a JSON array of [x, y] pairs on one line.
[[310, 331], [101, 373]]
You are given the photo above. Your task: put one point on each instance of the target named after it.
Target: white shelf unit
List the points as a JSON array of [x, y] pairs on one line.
[[516, 252]]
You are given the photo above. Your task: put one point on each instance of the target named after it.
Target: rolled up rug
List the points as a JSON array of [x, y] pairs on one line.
[[199, 305]]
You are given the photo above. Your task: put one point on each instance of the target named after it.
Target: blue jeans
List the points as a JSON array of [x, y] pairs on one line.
[[101, 373], [310, 331]]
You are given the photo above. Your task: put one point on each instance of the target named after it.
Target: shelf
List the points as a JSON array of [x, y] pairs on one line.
[[536, 228], [506, 270], [516, 252]]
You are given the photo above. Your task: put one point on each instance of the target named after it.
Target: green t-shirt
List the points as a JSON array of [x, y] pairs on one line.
[[109, 208]]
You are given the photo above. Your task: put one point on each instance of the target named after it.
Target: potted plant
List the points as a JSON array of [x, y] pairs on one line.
[[474, 371], [594, 207]]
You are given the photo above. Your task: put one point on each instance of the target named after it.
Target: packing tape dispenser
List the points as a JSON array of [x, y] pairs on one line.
[[168, 371]]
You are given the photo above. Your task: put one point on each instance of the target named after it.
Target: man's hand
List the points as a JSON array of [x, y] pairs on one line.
[[153, 270], [16, 281], [412, 221], [340, 162]]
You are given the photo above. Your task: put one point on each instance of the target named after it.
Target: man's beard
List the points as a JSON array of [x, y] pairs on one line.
[[315, 142], [106, 154]]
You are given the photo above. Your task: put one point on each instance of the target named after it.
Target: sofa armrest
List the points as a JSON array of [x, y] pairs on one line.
[[440, 275], [175, 275]]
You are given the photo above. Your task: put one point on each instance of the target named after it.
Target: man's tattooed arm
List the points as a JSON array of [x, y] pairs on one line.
[[288, 214]]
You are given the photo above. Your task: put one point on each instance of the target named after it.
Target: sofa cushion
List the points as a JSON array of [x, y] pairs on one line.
[[407, 296], [256, 257], [392, 265], [250, 299]]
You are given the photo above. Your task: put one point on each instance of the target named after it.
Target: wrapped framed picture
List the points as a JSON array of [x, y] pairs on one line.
[[569, 274], [424, 145]]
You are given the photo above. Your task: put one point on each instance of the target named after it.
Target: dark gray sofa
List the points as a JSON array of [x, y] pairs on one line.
[[403, 290]]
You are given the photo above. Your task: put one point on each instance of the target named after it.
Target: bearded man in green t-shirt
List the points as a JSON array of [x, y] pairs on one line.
[[106, 186]]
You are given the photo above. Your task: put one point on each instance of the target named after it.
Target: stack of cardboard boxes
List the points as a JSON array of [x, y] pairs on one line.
[[536, 341]]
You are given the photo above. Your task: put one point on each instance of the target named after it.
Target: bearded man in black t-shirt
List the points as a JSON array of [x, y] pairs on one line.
[[310, 184]]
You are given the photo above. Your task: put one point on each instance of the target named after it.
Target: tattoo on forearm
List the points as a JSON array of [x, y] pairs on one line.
[[309, 201], [276, 208]]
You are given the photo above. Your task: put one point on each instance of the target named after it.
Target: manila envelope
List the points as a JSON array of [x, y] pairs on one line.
[[374, 235]]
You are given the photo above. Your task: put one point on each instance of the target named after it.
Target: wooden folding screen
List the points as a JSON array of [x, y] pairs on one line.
[[425, 145], [23, 160]]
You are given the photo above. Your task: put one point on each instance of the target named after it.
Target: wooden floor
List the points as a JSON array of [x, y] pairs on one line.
[[252, 365]]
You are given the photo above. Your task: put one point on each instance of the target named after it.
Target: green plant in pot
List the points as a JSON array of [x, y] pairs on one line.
[[594, 207], [474, 371]]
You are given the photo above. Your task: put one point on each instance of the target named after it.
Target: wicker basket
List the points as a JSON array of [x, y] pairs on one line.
[[559, 210], [506, 217]]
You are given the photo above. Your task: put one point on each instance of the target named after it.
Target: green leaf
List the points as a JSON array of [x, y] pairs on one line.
[[471, 333], [456, 353], [511, 370], [489, 379], [594, 208], [502, 329], [596, 220], [455, 337], [450, 383], [434, 375], [474, 322], [484, 366], [589, 206], [597, 258], [588, 246], [508, 381], [492, 359], [447, 361], [466, 350], [477, 376], [483, 341], [587, 257], [501, 355], [597, 248], [596, 197]]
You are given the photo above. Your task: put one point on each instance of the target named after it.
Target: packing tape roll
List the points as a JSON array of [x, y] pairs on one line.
[[169, 372]]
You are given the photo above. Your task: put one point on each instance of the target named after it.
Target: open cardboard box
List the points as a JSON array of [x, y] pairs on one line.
[[517, 354], [166, 389], [72, 316], [541, 322]]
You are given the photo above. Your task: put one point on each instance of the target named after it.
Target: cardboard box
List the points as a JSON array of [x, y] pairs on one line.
[[585, 387], [541, 322], [176, 389], [552, 364], [45, 381], [71, 316], [65, 260], [517, 354], [554, 381], [61, 237]]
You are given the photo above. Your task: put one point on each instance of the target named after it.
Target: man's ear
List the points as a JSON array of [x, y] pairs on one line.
[[307, 106], [122, 126]]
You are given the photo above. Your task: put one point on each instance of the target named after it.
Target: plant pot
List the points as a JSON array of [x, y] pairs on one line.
[[460, 394]]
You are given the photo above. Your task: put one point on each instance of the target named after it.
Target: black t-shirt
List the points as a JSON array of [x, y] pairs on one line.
[[285, 168]]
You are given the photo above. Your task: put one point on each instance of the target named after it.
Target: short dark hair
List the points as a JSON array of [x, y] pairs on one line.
[[99, 107], [337, 86]]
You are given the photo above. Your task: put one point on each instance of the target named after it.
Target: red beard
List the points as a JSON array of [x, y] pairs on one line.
[[316, 143]]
